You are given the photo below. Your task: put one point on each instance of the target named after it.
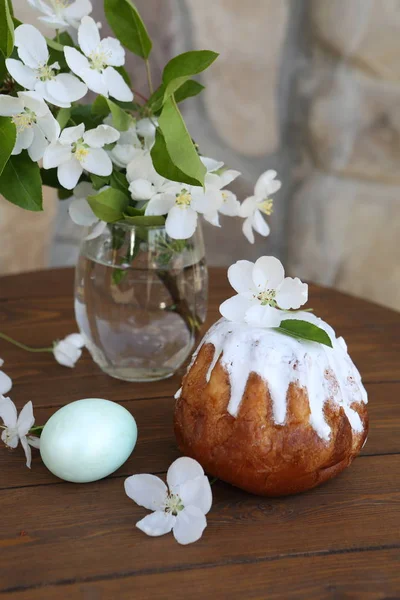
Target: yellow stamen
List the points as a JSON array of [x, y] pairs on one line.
[[184, 199], [81, 152], [267, 297], [23, 120], [99, 59], [266, 206]]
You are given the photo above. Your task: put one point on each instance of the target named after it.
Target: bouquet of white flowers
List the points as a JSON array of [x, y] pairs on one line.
[[127, 156]]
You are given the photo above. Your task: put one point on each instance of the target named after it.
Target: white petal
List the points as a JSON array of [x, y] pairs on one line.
[[160, 205], [207, 202], [75, 60], [38, 145], [49, 126], [228, 176], [97, 230], [76, 339], [146, 128], [42, 6], [146, 490], [88, 35], [27, 450], [240, 276], [34, 102], [10, 106], [84, 189], [141, 189], [70, 135], [268, 273], [230, 205], [114, 51], [33, 441], [101, 135], [291, 293], [24, 140], [66, 87], [60, 99], [69, 172], [196, 492], [260, 225], [183, 469], [81, 213], [117, 88], [32, 47], [77, 10], [235, 308], [95, 81], [264, 316], [122, 154], [5, 384], [211, 164], [10, 437], [22, 74], [213, 218], [181, 223], [8, 412], [156, 524], [247, 229], [98, 162], [267, 184], [25, 419], [66, 354], [56, 154], [189, 526], [54, 22], [248, 207]]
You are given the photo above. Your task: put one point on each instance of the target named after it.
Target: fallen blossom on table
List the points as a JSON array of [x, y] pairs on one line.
[[16, 428], [69, 350]]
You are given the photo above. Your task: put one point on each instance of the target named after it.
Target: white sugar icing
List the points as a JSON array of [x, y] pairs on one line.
[[326, 373]]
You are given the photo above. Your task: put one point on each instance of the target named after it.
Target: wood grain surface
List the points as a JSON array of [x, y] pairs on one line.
[[61, 540]]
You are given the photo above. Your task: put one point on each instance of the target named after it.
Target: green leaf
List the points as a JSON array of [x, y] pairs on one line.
[[119, 181], [8, 134], [54, 45], [99, 181], [131, 211], [181, 149], [127, 25], [305, 331], [6, 29], [186, 90], [82, 113], [49, 178], [184, 66], [164, 165], [103, 106], [21, 184], [109, 205], [63, 116], [144, 221]]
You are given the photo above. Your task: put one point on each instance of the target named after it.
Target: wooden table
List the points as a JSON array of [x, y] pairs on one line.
[[61, 540]]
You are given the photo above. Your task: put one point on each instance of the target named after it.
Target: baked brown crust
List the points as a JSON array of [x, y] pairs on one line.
[[251, 451]]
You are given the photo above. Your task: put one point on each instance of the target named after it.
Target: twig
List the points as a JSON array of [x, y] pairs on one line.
[[23, 346]]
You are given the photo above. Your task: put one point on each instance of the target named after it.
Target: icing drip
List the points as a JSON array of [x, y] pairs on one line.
[[326, 373]]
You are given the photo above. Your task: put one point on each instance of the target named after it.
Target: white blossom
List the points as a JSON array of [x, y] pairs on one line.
[[260, 202], [223, 201], [69, 350], [34, 73], [181, 507], [145, 184], [36, 127], [76, 151], [61, 14], [16, 428], [81, 212], [96, 65], [263, 292], [5, 381]]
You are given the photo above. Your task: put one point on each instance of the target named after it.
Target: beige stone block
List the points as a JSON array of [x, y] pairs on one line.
[[26, 236], [345, 233], [354, 124], [363, 31], [241, 94]]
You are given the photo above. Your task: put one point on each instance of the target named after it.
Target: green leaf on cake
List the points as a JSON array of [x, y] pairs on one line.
[[104, 106], [184, 66], [8, 134], [180, 147], [21, 184], [128, 27], [109, 205], [304, 331]]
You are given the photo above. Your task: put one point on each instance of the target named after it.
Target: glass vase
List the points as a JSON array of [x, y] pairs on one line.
[[140, 300]]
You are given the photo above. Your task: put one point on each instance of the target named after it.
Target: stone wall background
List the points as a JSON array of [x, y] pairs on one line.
[[308, 87]]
